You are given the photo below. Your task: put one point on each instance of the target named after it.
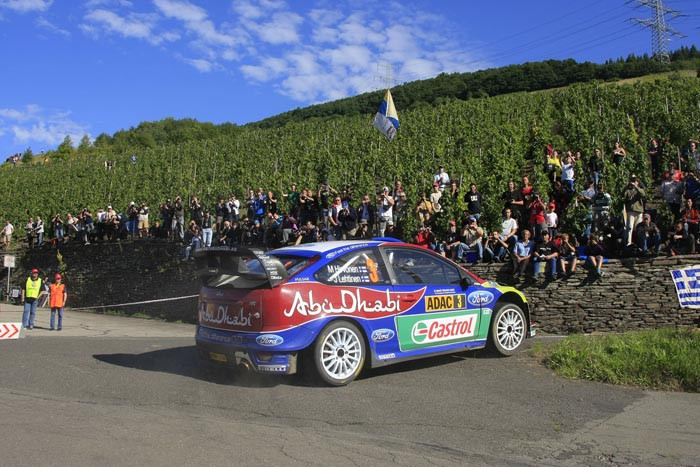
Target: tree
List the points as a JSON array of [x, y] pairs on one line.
[[85, 144], [65, 149], [27, 156]]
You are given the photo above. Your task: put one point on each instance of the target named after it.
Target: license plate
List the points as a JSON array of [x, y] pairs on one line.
[[218, 357], [533, 331]]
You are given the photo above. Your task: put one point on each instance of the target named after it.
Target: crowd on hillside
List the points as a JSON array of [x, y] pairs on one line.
[[448, 217]]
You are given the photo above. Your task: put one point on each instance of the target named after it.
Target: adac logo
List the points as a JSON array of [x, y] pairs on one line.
[[480, 298], [382, 335], [269, 340], [419, 332]]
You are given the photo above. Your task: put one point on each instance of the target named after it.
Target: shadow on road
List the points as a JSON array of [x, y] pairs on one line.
[[184, 361]]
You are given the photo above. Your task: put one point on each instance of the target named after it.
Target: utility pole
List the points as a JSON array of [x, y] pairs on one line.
[[659, 29]]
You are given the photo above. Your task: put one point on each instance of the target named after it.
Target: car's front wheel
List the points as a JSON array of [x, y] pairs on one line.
[[508, 328], [339, 353]]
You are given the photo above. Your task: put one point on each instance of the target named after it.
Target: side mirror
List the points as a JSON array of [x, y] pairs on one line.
[[465, 283]]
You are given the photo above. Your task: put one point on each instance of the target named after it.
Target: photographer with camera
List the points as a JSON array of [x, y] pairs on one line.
[[386, 204]]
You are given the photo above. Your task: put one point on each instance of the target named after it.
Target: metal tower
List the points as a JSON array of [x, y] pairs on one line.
[[659, 29]]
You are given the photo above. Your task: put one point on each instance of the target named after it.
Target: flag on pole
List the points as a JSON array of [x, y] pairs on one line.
[[387, 120]]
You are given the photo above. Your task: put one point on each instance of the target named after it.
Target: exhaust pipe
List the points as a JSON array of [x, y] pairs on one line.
[[244, 366]]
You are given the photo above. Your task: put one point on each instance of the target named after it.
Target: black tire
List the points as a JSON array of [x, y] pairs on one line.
[[508, 329], [339, 353]]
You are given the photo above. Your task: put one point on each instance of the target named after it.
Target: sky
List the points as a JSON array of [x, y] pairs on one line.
[[86, 67]]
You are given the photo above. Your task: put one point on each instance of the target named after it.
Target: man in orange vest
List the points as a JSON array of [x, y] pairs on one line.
[[57, 300]]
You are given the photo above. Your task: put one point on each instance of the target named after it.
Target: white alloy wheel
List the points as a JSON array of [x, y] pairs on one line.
[[339, 353], [508, 329]]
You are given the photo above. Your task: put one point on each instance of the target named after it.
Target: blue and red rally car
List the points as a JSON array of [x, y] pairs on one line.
[[345, 304]]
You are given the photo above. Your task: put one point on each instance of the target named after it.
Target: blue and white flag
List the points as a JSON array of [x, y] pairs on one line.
[[387, 120], [687, 282]]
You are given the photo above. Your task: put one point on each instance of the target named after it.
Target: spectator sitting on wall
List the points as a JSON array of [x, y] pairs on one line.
[[546, 252], [680, 242], [691, 218], [647, 236], [596, 253], [568, 260], [472, 237], [522, 254]]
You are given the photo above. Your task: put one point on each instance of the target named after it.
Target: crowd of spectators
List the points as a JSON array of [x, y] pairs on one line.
[[532, 229]]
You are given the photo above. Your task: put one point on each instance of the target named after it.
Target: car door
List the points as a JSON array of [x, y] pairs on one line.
[[447, 316]]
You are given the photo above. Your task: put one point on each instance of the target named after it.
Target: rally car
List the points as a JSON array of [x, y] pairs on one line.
[[344, 304]]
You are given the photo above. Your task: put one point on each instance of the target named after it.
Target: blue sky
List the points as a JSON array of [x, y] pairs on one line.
[[76, 67]]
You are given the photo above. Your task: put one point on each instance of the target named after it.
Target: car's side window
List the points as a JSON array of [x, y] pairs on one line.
[[359, 267], [412, 266]]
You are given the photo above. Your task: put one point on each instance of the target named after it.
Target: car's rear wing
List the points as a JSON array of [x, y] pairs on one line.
[[239, 261]]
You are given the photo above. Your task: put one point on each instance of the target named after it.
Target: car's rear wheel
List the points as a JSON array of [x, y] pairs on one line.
[[339, 353], [508, 328]]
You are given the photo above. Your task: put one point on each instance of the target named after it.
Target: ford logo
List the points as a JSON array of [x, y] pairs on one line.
[[480, 298], [382, 335], [269, 340]]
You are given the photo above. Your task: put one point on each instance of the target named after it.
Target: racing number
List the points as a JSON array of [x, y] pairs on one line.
[[372, 268], [460, 301]]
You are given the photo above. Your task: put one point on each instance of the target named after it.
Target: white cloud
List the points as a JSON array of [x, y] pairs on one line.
[[282, 29], [205, 66], [137, 26], [46, 24], [35, 126], [23, 6]]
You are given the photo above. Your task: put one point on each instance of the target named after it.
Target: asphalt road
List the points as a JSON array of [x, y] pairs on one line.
[[121, 391]]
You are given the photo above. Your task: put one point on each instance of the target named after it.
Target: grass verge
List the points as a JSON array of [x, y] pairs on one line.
[[660, 359]]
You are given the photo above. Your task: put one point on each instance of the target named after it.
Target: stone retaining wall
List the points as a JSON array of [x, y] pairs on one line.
[[633, 294]]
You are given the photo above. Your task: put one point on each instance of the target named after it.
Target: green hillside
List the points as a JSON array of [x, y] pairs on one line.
[[484, 140]]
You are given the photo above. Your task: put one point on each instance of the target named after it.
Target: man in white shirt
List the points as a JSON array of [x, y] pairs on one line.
[[441, 178], [7, 232], [386, 205]]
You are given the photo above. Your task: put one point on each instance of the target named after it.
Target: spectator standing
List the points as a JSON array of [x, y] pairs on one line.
[[537, 218], [271, 203], [143, 221], [567, 172], [618, 153], [196, 211], [293, 200], [32, 290], [600, 207], [672, 192], [348, 221], [435, 197], [7, 232], [31, 234], [474, 201], [633, 198], [386, 206], [89, 225], [57, 223], [553, 166], [208, 222], [132, 213], [596, 165], [552, 220], [513, 200], [57, 301], [178, 225], [221, 212], [442, 178], [233, 209], [692, 155], [333, 221], [366, 216], [423, 207], [325, 191], [655, 155], [39, 229]]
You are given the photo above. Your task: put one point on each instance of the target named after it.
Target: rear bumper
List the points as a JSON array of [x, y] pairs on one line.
[[235, 355]]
